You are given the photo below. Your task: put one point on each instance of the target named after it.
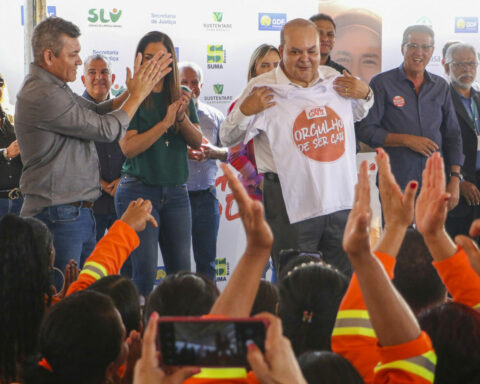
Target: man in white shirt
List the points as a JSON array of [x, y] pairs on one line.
[[299, 67]]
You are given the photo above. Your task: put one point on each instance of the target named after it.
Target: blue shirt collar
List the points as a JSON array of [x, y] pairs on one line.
[[403, 76]]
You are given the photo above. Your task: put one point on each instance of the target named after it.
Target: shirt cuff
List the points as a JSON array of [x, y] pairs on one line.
[[417, 347]]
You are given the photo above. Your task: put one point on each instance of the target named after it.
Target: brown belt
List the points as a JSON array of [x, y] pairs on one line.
[[82, 204]]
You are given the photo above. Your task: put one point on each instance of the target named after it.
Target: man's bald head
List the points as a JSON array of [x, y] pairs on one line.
[[295, 23]]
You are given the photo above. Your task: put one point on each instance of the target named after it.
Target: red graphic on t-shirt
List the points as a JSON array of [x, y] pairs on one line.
[[319, 134], [398, 101]]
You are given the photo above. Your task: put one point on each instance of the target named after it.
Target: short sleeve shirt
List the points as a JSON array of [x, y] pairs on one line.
[[165, 162]]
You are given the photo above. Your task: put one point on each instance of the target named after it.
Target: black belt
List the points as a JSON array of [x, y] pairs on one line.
[[201, 192], [82, 204], [12, 194], [270, 176]]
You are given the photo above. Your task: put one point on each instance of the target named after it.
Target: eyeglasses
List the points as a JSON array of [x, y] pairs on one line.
[[423, 47], [465, 64]]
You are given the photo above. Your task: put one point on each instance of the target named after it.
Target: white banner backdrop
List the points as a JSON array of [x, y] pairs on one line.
[[220, 36]]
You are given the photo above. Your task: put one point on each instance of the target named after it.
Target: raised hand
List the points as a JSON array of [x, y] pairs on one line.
[[431, 206], [138, 214], [397, 207], [147, 74], [257, 101], [278, 365], [183, 105], [259, 235], [356, 238], [147, 370]]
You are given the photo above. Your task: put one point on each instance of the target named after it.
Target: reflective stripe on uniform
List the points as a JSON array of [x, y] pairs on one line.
[[94, 269], [221, 373], [423, 365], [353, 322]]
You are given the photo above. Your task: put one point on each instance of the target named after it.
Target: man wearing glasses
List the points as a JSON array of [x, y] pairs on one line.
[[413, 115], [461, 67]]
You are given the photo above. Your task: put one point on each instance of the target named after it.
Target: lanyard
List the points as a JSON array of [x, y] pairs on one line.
[[474, 116]]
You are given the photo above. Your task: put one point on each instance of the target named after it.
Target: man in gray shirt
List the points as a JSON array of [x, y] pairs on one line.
[[55, 131]]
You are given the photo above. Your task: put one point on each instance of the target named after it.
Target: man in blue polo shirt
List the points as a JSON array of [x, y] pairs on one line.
[[202, 168], [413, 115]]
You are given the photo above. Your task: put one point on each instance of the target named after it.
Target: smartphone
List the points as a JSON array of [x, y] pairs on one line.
[[206, 342]]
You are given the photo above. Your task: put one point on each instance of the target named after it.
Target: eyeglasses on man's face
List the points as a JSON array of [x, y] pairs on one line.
[[415, 47], [464, 64]]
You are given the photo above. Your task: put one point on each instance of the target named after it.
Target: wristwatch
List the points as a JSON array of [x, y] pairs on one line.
[[456, 174]]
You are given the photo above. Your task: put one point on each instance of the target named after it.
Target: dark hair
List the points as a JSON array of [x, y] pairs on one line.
[[414, 275], [258, 54], [125, 296], [48, 35], [323, 16], [182, 294], [172, 79], [309, 299], [328, 368], [290, 258], [24, 289], [266, 299], [454, 330], [79, 338], [419, 28]]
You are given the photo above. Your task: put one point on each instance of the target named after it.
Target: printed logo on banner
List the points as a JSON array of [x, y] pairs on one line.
[[466, 24], [319, 134], [425, 20], [161, 274], [117, 89], [103, 18], [219, 97], [163, 18], [271, 21], [51, 11], [111, 55], [222, 269], [217, 25], [216, 56], [218, 89]]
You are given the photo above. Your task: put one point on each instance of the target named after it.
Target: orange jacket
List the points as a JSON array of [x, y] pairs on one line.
[[108, 256], [354, 338], [460, 279]]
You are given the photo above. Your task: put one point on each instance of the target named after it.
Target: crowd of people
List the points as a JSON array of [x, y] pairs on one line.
[[95, 185]]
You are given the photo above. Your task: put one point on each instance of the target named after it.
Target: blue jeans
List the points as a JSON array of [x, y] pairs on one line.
[[171, 209], [205, 219], [10, 206], [73, 230], [102, 223]]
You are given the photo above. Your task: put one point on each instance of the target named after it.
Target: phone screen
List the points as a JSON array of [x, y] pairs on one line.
[[209, 344]]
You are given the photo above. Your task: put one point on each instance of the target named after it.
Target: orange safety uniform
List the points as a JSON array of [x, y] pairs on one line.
[[354, 338], [461, 280], [108, 256]]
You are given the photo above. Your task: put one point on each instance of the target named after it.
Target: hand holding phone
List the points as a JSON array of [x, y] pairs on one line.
[[147, 370], [209, 342]]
